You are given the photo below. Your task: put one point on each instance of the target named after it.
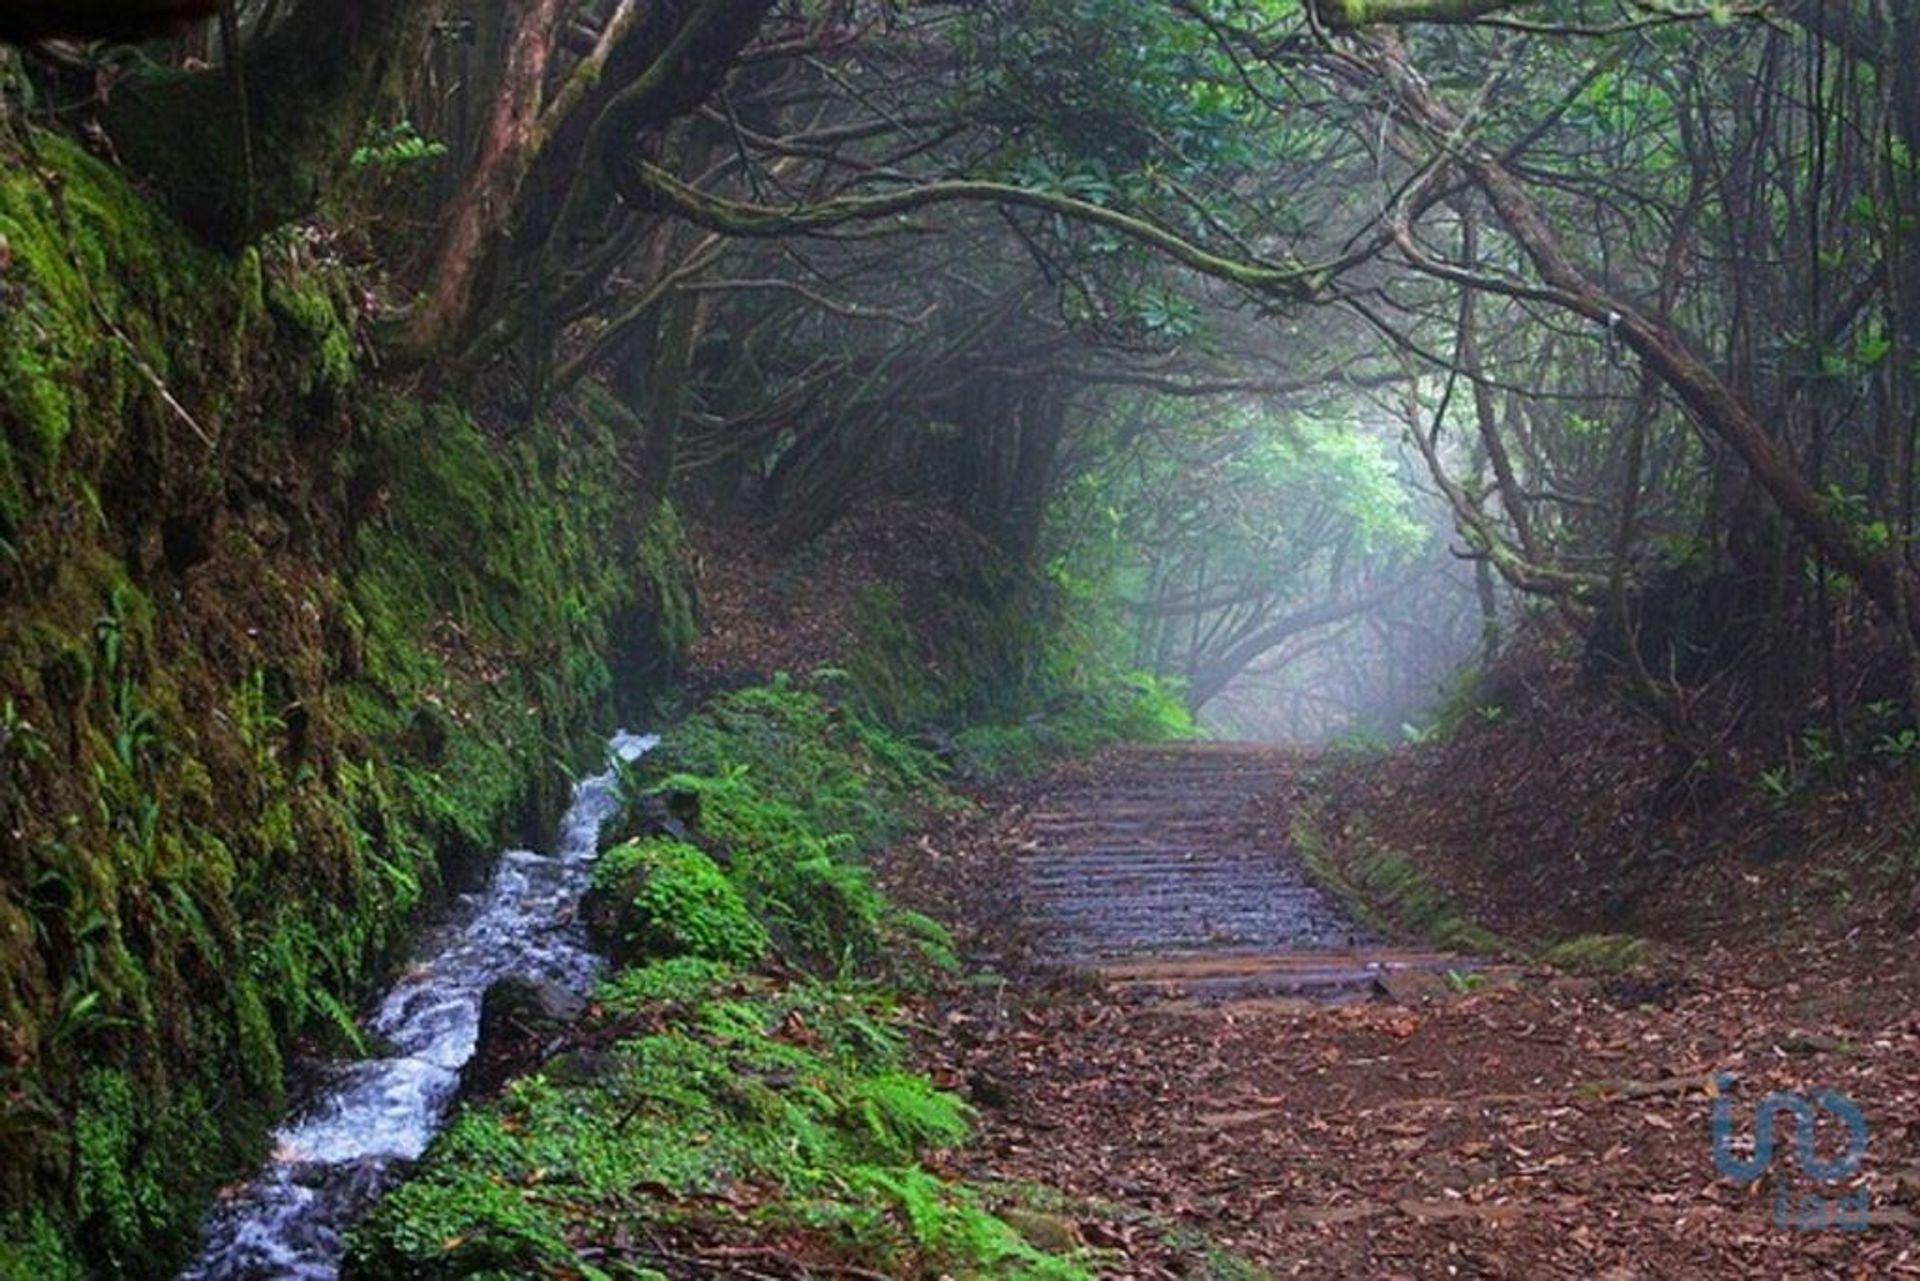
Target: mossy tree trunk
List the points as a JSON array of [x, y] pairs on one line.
[[655, 64], [1010, 437], [486, 198], [231, 174]]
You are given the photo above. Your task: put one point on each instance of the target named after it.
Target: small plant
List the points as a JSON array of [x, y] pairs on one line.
[[677, 978], [1897, 747], [1359, 742], [110, 634], [1462, 702], [257, 722], [903, 1114], [397, 146], [1465, 981], [1817, 746], [17, 734], [339, 1018], [1775, 783], [82, 1013]]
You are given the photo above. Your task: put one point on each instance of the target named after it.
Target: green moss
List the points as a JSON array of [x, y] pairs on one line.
[[1390, 894], [752, 1084], [211, 684], [95, 301], [671, 900], [1597, 954], [901, 1114], [795, 789], [38, 400], [309, 317], [662, 559], [32, 1247], [255, 1042], [468, 1224], [677, 978], [250, 289], [125, 1151]]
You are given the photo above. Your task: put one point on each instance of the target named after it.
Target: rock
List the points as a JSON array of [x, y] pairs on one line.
[[523, 1022], [675, 814], [1048, 1232], [1411, 987], [584, 1067], [661, 897]]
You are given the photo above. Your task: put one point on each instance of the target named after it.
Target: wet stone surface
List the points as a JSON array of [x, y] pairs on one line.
[[1156, 876]]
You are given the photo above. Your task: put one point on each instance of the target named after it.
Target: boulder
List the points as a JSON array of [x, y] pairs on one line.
[[523, 1022], [675, 815], [1411, 987]]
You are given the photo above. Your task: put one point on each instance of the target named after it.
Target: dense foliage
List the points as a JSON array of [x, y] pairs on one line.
[[359, 359], [781, 1097]]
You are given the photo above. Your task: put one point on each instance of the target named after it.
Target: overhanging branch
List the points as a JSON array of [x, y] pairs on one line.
[[647, 185]]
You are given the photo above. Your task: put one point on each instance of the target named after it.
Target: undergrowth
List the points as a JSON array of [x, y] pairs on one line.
[[1015, 677], [1391, 895], [792, 789], [712, 1107], [669, 899], [278, 647], [731, 1109]]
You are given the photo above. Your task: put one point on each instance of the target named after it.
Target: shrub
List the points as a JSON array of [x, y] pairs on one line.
[[796, 789]]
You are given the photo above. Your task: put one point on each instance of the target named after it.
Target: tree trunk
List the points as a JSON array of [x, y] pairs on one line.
[[1662, 349], [129, 20], [656, 63], [307, 86], [486, 200]]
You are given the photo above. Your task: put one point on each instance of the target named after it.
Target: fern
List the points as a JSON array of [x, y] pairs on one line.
[[904, 1115], [339, 1017]]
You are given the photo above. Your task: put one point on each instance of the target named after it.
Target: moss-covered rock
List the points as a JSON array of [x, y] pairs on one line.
[[663, 898]]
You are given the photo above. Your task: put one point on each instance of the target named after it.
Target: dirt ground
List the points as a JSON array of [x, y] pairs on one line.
[[1537, 1125]]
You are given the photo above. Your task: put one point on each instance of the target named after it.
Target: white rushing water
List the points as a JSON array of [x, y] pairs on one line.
[[369, 1117]]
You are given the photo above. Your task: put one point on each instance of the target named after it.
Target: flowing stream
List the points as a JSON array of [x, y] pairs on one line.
[[370, 1117]]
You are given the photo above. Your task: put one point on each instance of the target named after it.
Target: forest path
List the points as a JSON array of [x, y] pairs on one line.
[[1158, 875], [1223, 1078]]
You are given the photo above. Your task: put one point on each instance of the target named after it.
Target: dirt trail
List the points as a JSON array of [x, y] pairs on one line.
[[1234, 1074]]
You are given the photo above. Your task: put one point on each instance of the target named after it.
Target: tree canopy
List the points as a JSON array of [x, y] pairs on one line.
[[1589, 291]]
